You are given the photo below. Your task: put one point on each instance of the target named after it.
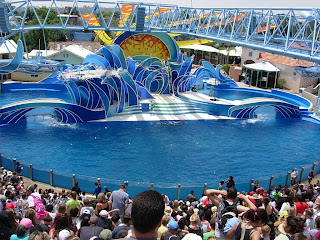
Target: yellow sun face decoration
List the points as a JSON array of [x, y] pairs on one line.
[[145, 44]]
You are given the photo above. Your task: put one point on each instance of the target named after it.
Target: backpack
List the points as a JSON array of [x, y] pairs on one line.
[[227, 211], [39, 208]]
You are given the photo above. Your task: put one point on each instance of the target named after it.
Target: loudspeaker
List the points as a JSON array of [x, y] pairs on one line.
[[4, 19], [141, 15]]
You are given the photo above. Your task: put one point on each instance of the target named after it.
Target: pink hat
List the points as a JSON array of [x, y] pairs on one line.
[[103, 213], [26, 222]]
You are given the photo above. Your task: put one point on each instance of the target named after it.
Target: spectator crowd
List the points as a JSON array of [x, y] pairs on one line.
[[280, 213]]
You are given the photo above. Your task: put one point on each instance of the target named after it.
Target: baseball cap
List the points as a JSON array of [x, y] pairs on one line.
[[103, 213], [173, 225], [105, 234], [26, 222]]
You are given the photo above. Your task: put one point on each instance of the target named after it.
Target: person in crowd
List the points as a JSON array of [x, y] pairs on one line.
[[230, 199], [122, 230], [230, 182], [172, 233], [38, 235], [105, 221], [255, 218], [106, 190], [119, 200], [164, 222], [18, 168], [22, 233], [73, 202], [86, 207], [62, 221], [5, 226], [97, 188], [191, 198], [211, 232], [255, 185], [146, 215], [310, 176], [221, 183], [102, 204], [291, 226], [76, 188], [300, 205], [193, 227], [93, 230]]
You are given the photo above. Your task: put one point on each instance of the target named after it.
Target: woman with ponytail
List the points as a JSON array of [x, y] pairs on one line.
[[247, 230]]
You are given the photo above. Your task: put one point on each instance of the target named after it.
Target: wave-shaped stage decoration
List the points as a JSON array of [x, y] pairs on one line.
[[107, 82]]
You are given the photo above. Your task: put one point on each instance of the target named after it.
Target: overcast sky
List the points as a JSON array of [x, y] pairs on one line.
[[223, 3], [243, 3]]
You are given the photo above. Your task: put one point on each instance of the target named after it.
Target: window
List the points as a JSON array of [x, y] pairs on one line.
[[5, 56], [34, 75], [250, 54]]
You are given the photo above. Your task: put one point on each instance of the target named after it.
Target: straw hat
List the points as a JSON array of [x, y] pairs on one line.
[[168, 210]]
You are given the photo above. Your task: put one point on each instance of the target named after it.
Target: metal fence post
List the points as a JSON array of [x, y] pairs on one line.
[[51, 177], [73, 179], [271, 182], [31, 172], [288, 178], [205, 188], [179, 190], [301, 175], [252, 181], [151, 186]]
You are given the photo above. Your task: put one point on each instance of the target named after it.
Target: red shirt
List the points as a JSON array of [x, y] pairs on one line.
[[300, 207]]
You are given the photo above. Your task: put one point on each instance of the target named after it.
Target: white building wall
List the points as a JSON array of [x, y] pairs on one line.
[[249, 54]]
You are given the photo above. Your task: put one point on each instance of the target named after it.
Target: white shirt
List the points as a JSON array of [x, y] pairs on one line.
[[31, 200]]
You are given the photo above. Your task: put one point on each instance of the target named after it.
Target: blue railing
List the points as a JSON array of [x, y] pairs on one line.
[[86, 183]]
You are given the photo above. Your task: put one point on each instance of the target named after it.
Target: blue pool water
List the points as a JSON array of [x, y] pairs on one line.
[[191, 153]]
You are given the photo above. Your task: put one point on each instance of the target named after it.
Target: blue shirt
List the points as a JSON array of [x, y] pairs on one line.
[[97, 190], [119, 199]]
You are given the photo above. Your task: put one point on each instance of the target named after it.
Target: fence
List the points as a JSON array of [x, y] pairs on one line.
[[86, 183]]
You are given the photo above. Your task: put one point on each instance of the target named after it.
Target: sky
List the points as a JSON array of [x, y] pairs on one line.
[[242, 3], [226, 3]]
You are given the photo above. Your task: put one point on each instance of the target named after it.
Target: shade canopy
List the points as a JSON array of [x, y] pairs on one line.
[[236, 52], [200, 47], [262, 66]]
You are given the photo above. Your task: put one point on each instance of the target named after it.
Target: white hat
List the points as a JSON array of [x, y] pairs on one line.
[[64, 234]]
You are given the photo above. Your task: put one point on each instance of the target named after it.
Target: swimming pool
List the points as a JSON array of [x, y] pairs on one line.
[[191, 153]]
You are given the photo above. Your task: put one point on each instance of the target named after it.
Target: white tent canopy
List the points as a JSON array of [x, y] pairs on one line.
[[236, 52], [262, 66], [200, 47], [259, 68]]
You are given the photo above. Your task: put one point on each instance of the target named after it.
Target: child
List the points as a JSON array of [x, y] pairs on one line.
[[309, 218], [265, 232]]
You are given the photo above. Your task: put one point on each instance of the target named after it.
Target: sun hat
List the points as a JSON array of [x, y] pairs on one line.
[[168, 210], [9, 173], [173, 225], [256, 196], [192, 236], [105, 234], [103, 213], [26, 222], [64, 234], [281, 229]]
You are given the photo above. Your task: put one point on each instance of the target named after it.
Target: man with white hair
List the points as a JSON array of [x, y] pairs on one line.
[[93, 230]]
